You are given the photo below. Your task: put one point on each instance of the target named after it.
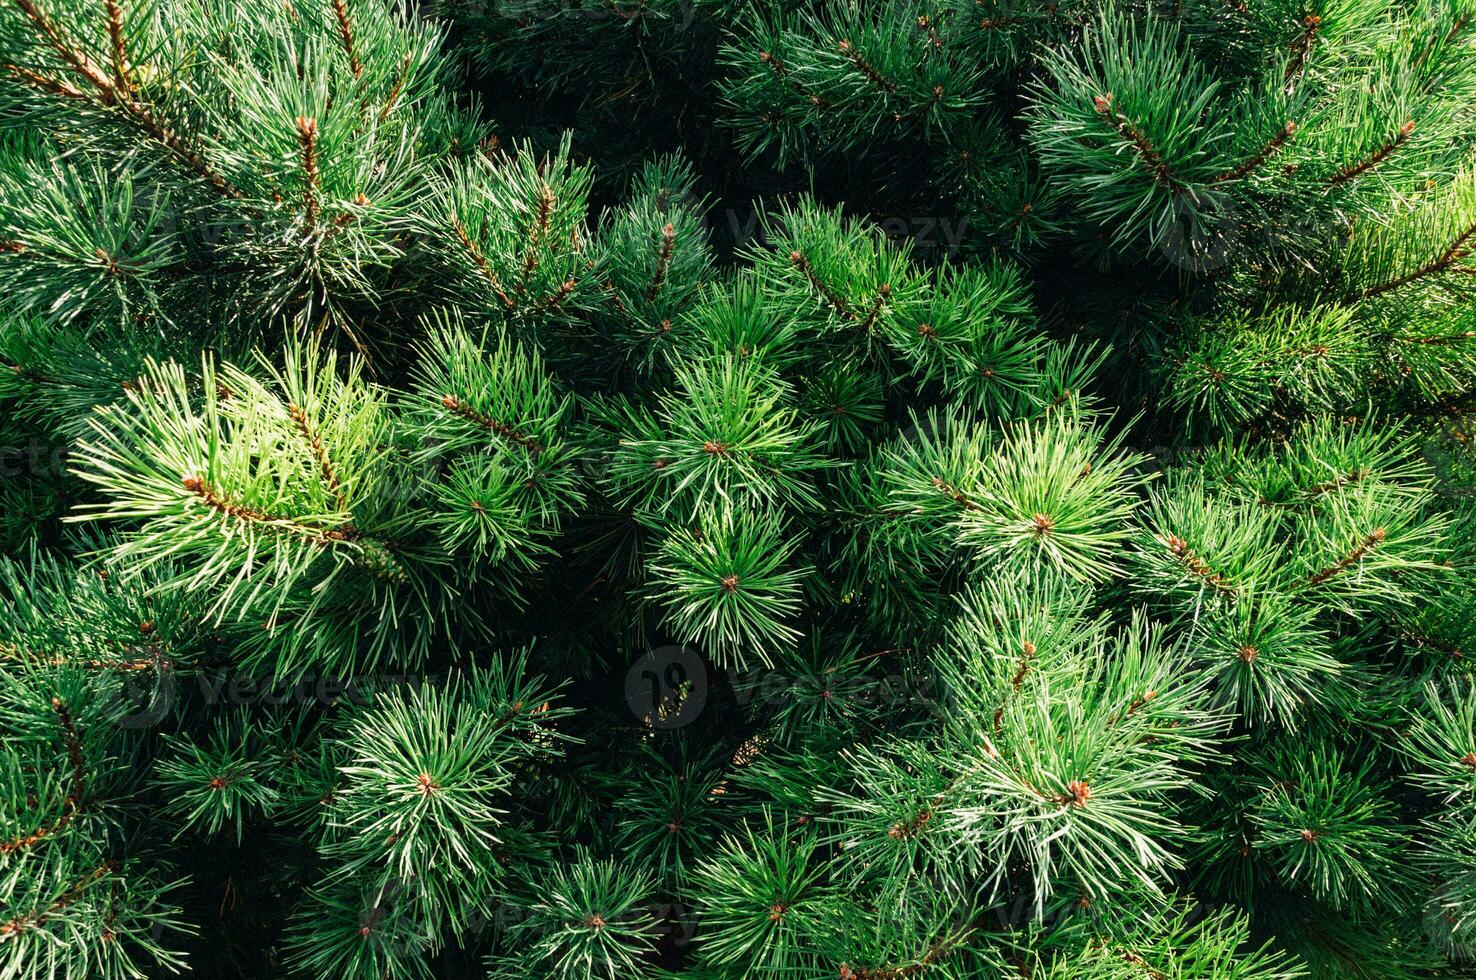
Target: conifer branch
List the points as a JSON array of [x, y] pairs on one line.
[[40, 917], [1302, 46], [537, 231], [346, 33], [1027, 660], [615, 298], [73, 744], [883, 293], [928, 27], [836, 302], [867, 70], [1350, 478], [223, 505], [1149, 971], [320, 455], [556, 298], [1179, 548], [190, 156], [43, 83], [481, 263], [935, 953], [955, 495], [1362, 167], [120, 54], [1272, 146], [1373, 540], [456, 407], [1451, 255], [69, 53], [774, 63], [663, 260], [77, 767], [394, 93], [1450, 35], [1439, 646], [1148, 155], [307, 134], [109, 95]]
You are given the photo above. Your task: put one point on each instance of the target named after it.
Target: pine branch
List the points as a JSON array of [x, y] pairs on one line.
[[1455, 252], [883, 293], [320, 453], [836, 302], [346, 32], [120, 53], [73, 56], [867, 70], [936, 952], [110, 95], [481, 263], [663, 260], [956, 496], [393, 97], [274, 522], [77, 765], [1373, 540], [1362, 167], [1147, 154], [537, 231], [1302, 47], [307, 133], [40, 917], [1179, 548], [454, 405], [45, 84], [1273, 146]]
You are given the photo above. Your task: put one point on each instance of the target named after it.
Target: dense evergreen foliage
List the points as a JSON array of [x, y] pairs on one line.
[[737, 489]]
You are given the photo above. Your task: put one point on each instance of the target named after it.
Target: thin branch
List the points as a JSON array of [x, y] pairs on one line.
[[481, 263], [39, 917], [110, 95], [1454, 253], [663, 260], [1179, 548], [867, 69], [778, 66], [456, 407], [346, 32], [536, 233], [1302, 46], [1363, 167], [222, 505], [396, 89], [836, 302], [1352, 558], [307, 134], [1273, 146], [952, 494], [935, 952], [882, 295], [1147, 152], [556, 298], [72, 55], [320, 455], [77, 764], [45, 84], [120, 53]]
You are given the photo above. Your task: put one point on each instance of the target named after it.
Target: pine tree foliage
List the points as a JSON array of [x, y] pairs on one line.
[[926, 489]]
